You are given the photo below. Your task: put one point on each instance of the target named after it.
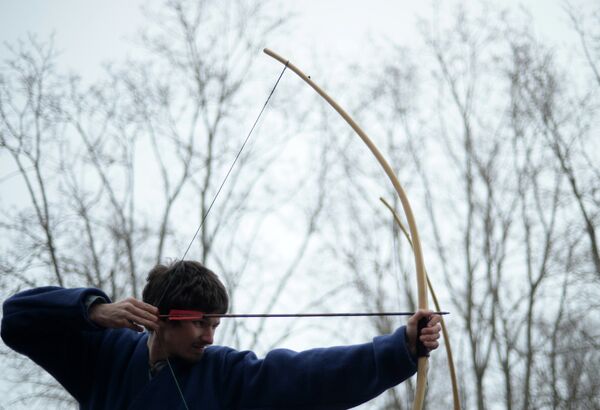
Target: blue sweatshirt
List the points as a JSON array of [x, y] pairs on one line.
[[108, 368]]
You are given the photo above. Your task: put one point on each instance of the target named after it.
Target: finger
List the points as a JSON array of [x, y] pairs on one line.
[[139, 309], [131, 304], [431, 331], [135, 326], [153, 310], [429, 338], [143, 318], [432, 345], [143, 314], [435, 329], [419, 314], [435, 319]]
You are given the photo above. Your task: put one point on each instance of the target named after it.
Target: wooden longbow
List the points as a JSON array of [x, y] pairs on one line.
[[449, 355], [422, 365]]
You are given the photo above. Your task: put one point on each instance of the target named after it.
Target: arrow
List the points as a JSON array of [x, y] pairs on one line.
[[195, 315]]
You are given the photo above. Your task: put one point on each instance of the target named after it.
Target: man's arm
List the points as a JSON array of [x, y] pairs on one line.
[[51, 326], [330, 378]]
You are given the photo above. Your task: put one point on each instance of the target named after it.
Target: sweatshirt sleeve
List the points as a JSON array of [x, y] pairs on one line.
[[329, 378], [51, 326]]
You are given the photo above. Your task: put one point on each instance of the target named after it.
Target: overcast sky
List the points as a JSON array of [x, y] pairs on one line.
[[89, 33]]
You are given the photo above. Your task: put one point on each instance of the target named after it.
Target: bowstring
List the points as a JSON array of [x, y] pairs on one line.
[[234, 161], [204, 219]]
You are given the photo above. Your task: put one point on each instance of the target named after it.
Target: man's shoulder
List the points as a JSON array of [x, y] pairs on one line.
[[219, 351], [225, 353]]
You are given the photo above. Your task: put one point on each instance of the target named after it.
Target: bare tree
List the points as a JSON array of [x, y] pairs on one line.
[[507, 209], [545, 98], [516, 202], [585, 21], [30, 111], [82, 152]]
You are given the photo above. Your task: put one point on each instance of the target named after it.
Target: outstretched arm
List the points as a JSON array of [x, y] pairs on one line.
[[332, 378]]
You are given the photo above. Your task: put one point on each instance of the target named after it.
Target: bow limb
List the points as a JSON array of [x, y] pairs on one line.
[[450, 356], [419, 264]]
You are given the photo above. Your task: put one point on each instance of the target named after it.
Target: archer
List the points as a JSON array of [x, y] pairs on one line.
[[100, 353]]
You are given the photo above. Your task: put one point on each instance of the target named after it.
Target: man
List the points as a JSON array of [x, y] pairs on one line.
[[87, 343]]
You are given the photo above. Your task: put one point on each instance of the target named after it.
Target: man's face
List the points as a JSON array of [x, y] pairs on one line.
[[188, 338]]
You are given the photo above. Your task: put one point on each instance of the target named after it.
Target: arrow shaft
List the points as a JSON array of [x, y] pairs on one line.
[[287, 315]]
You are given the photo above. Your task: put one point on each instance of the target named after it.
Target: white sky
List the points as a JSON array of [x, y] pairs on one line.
[[89, 33]]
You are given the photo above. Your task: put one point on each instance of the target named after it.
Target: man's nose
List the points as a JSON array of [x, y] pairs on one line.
[[208, 336]]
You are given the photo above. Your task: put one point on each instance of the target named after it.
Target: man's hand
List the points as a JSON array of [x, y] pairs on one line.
[[129, 313], [429, 334]]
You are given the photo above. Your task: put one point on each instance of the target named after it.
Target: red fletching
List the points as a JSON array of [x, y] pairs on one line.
[[175, 314]]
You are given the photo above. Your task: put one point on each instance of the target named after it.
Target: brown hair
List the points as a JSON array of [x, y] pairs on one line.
[[185, 285]]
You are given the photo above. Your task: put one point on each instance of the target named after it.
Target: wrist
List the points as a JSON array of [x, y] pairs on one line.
[[95, 313], [410, 344]]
